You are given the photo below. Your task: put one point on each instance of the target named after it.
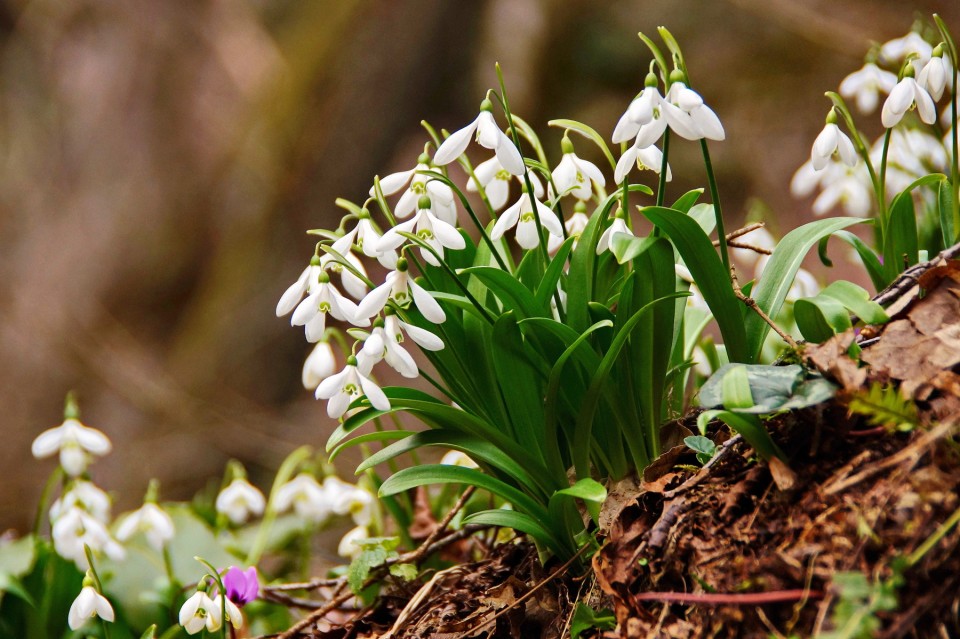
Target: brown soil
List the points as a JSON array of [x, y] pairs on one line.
[[723, 552]]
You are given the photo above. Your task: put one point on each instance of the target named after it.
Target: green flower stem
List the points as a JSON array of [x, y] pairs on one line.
[[223, 592], [173, 583], [933, 539], [662, 184], [718, 213], [55, 477], [882, 195], [99, 585], [284, 474], [955, 161], [453, 274]]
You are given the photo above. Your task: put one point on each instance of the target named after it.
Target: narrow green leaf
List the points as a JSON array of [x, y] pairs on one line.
[[522, 523], [687, 200], [870, 260], [514, 295], [377, 436], [587, 132], [548, 285], [735, 388], [900, 242], [820, 318], [749, 426], [948, 225], [625, 247]]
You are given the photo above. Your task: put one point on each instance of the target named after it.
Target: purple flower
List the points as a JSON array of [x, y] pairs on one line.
[[242, 586]]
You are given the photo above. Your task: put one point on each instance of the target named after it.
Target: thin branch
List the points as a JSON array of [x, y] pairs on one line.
[[752, 303], [419, 553]]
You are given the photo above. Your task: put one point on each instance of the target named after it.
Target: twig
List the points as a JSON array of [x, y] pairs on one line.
[[313, 584], [432, 537], [909, 277], [731, 599], [752, 303], [732, 235], [315, 616]]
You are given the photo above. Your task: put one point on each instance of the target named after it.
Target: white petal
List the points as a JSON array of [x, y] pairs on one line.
[[306, 310], [47, 443], [393, 183], [376, 396], [848, 154], [375, 300], [423, 338], [316, 327], [498, 191], [454, 146], [331, 385], [651, 132], [338, 405], [425, 303], [406, 205], [401, 361], [392, 238], [625, 164], [549, 220], [708, 123], [488, 133], [925, 105], [626, 129], [680, 121], [507, 220], [485, 172], [509, 156], [527, 236], [73, 460], [448, 236], [293, 294]]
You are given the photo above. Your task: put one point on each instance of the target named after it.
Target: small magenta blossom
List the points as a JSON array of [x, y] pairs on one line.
[[242, 586]]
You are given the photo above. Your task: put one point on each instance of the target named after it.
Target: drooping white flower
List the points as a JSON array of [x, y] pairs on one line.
[[706, 124], [649, 157], [75, 442], [495, 181], [76, 528], [384, 343], [806, 179], [86, 496], [619, 225], [846, 186], [432, 231], [312, 312], [401, 289], [239, 501], [89, 604], [348, 499], [865, 86], [639, 113], [935, 75], [348, 546], [306, 496], [151, 520], [575, 176], [320, 364], [341, 389], [309, 280], [898, 49], [199, 612], [442, 196], [457, 458], [830, 141], [574, 225], [234, 616], [488, 135], [911, 154], [521, 215], [905, 96]]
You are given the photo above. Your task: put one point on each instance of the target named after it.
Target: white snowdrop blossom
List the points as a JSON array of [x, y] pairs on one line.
[[401, 289], [75, 442], [306, 496], [88, 604], [575, 176], [151, 520], [830, 141], [76, 528], [347, 385], [234, 616], [320, 364], [911, 44], [348, 546], [312, 312], [436, 233], [86, 496], [806, 179], [495, 181], [574, 226], [619, 225], [846, 186], [521, 215], [306, 282], [239, 501], [348, 499], [648, 115], [646, 158], [384, 344], [309, 280], [912, 153], [442, 196], [706, 124], [934, 75], [199, 612], [905, 96], [457, 458], [865, 85], [488, 135]]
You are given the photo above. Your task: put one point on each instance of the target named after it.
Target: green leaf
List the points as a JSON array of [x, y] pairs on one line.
[[374, 552], [13, 585], [590, 491], [735, 388], [150, 633], [377, 436], [625, 247], [588, 133], [586, 618], [773, 388], [779, 272], [407, 572], [548, 285], [702, 446], [900, 242], [511, 293], [523, 523], [687, 200], [820, 318], [885, 406], [749, 426], [948, 225], [870, 260], [708, 272]]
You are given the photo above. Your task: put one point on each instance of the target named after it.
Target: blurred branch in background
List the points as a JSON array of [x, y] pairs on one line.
[[160, 160]]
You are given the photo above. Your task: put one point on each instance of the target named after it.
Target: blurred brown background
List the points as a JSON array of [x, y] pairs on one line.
[[162, 160]]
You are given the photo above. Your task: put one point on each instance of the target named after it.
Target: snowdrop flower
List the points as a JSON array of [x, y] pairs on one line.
[[348, 546], [347, 499], [495, 181], [646, 158], [905, 96], [639, 112], [849, 187], [239, 501], [341, 389], [384, 343], [86, 496], [152, 521], [911, 44], [242, 586], [320, 364], [306, 496], [649, 114], [309, 280], [420, 185], [695, 299], [488, 135], [75, 442], [401, 289], [830, 141], [574, 176], [199, 612], [521, 215], [433, 231], [75, 529], [705, 122], [619, 225], [312, 312], [865, 86], [88, 604], [807, 179], [574, 226], [234, 616], [935, 73], [456, 458]]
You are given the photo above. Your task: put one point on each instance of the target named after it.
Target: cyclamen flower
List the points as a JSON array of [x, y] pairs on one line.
[[522, 216], [495, 181], [152, 521], [905, 96], [199, 612], [341, 389], [575, 176], [88, 604], [312, 312], [75, 529], [242, 586], [401, 289], [436, 233], [488, 135], [865, 86], [239, 501], [832, 140], [306, 496], [320, 364], [649, 157], [86, 496], [439, 193], [75, 442]]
